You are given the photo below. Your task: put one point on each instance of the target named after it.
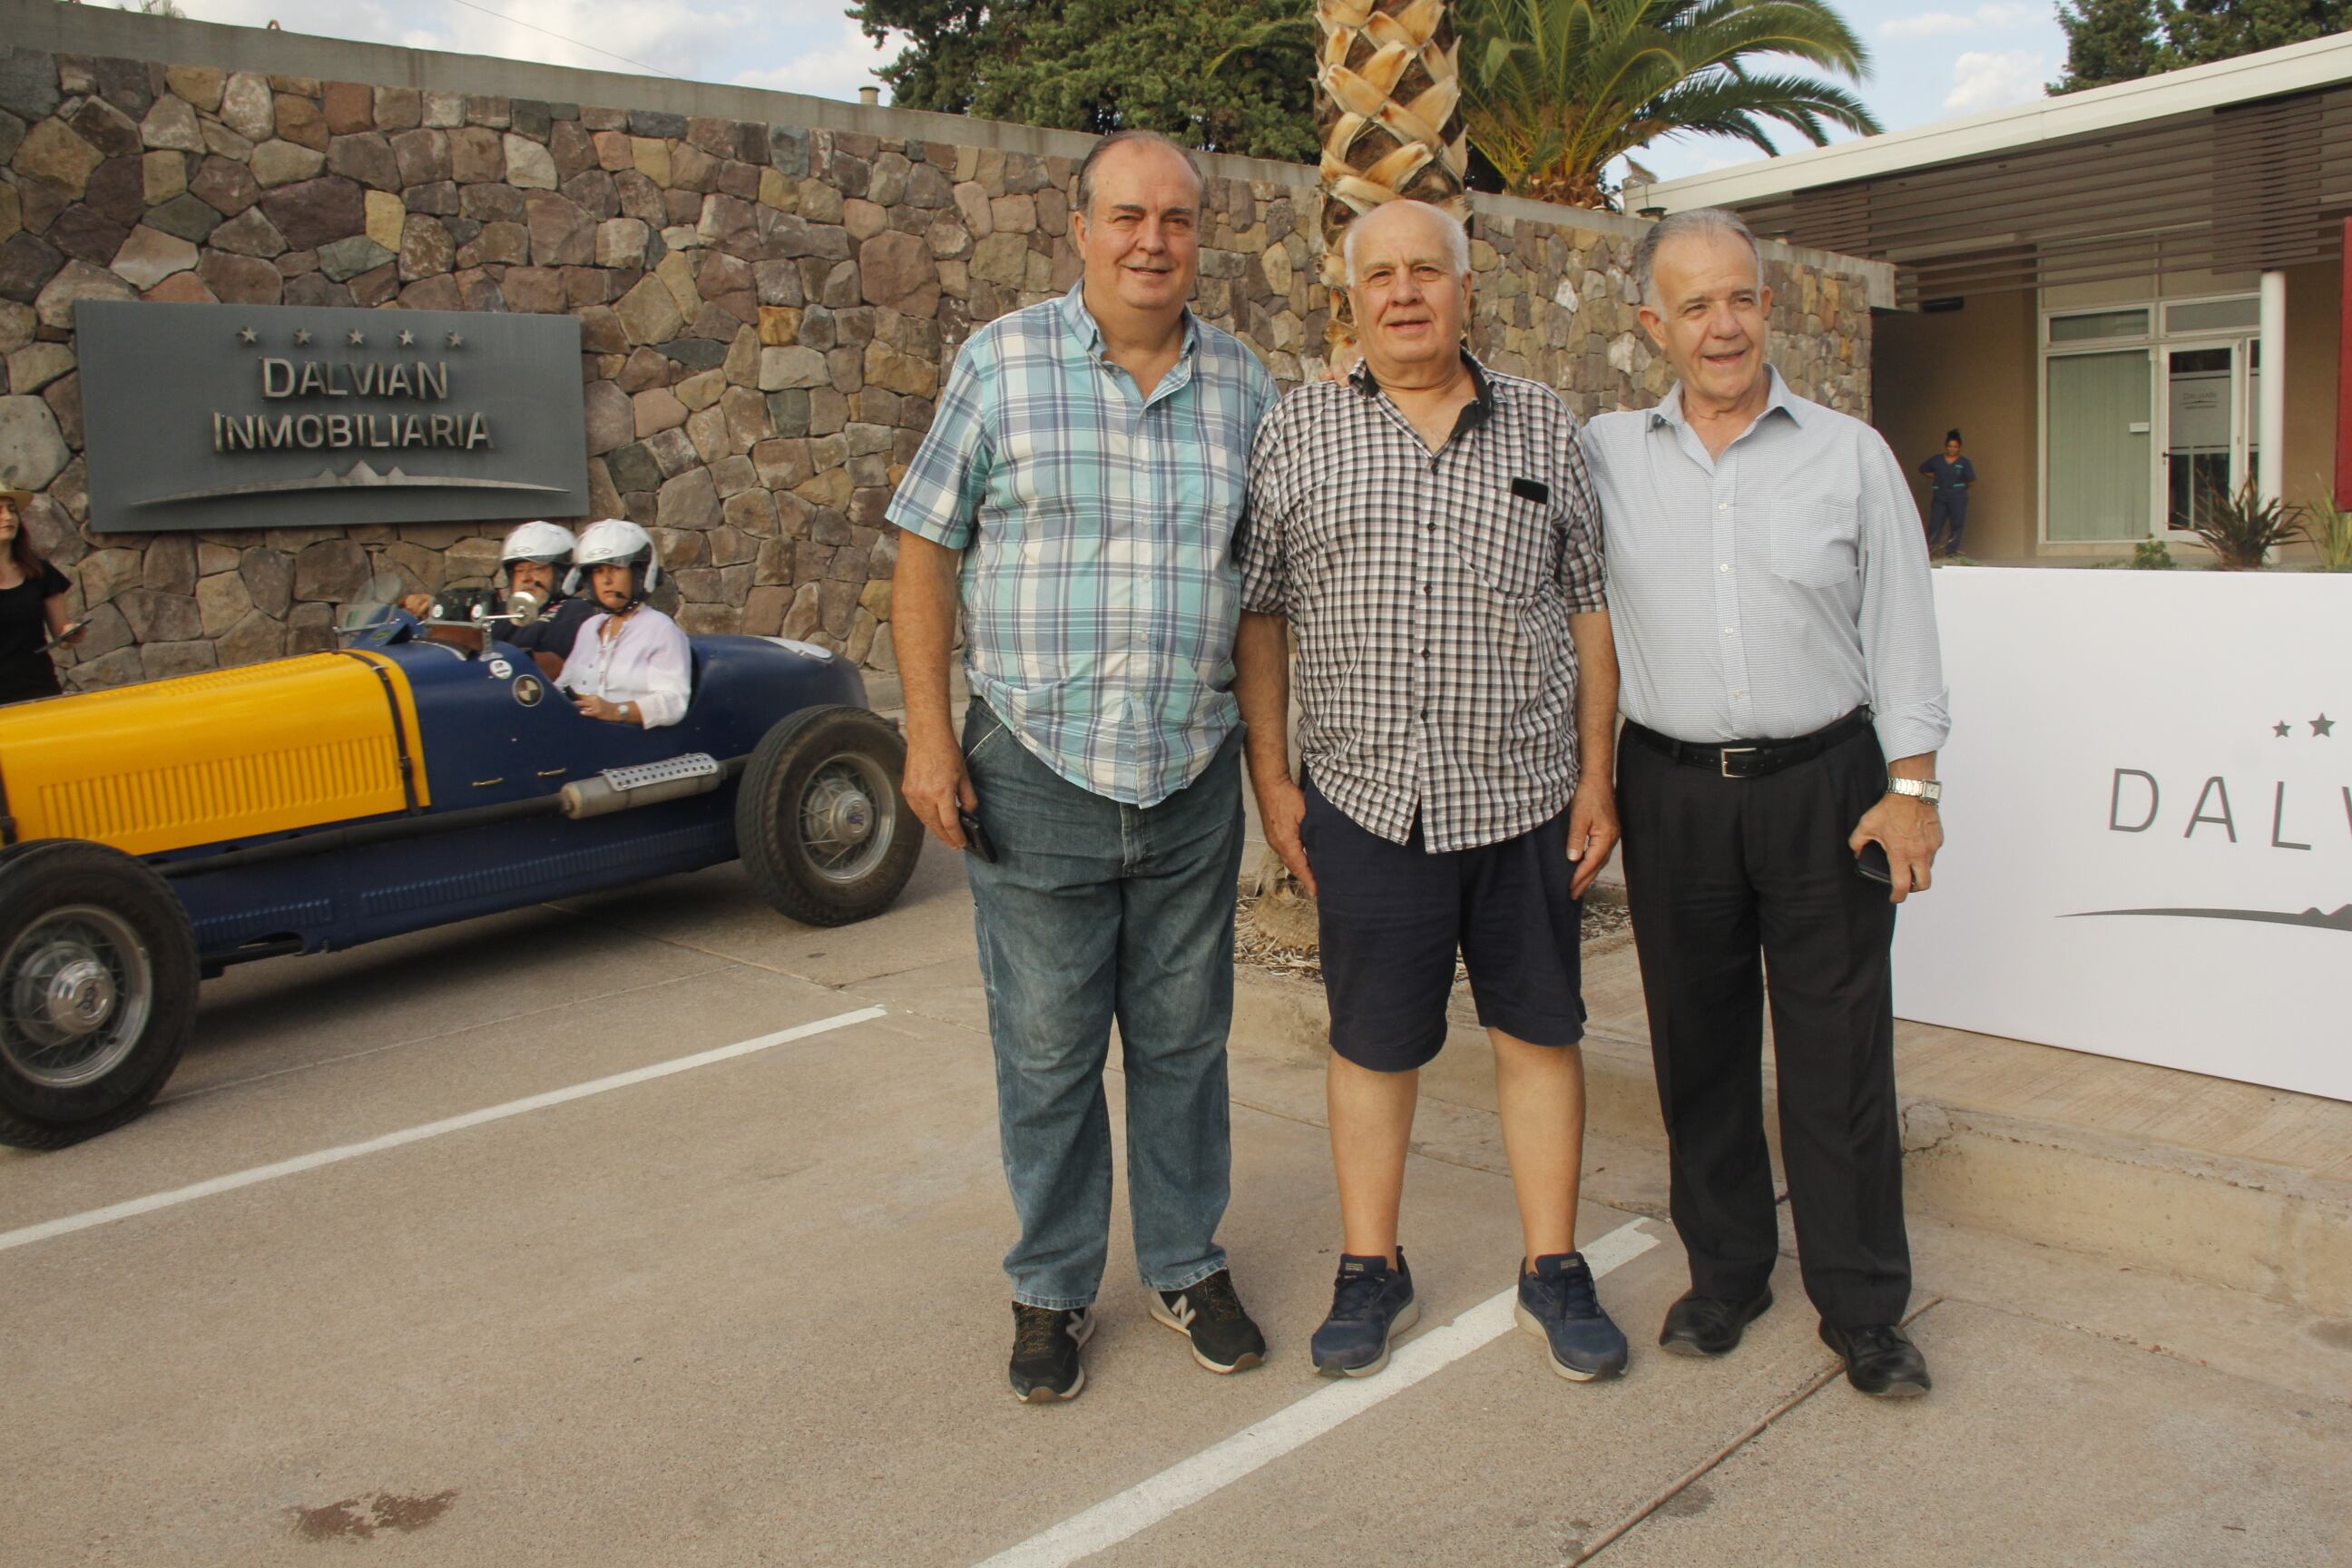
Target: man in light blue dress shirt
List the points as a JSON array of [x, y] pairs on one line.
[[1077, 493], [1784, 699]]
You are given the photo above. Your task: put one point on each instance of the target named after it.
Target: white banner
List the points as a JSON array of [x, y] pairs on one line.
[[2148, 821]]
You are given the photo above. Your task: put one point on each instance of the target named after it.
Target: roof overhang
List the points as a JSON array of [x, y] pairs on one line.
[[2241, 165]]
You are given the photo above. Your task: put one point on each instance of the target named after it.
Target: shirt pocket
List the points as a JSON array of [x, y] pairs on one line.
[[1814, 541], [1506, 544]]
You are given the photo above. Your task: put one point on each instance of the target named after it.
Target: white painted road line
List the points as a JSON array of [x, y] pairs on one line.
[[300, 1162], [1181, 1486]]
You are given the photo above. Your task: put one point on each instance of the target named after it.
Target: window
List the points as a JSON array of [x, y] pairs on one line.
[[2099, 325]]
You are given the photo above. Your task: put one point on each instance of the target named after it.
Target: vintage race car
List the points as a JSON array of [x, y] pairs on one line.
[[154, 834]]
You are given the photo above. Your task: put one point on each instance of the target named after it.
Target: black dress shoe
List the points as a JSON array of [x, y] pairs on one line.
[[1880, 1359], [1707, 1325]]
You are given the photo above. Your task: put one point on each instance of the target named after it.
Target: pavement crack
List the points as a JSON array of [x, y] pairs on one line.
[[1663, 1500]]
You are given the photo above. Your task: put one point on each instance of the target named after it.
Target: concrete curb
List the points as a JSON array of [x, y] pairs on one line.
[[2244, 1224]]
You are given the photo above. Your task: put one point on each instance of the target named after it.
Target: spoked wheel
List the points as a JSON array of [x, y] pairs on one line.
[[98, 988], [818, 820]]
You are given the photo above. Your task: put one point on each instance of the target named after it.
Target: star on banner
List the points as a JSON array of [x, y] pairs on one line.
[[2323, 725], [248, 335], [2282, 729], [456, 340], [358, 337], [406, 337], [301, 337]]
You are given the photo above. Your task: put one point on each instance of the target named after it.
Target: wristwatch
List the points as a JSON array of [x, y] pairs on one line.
[[1928, 790]]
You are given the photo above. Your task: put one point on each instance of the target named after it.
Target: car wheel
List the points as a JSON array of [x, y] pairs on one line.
[[819, 820], [98, 990]]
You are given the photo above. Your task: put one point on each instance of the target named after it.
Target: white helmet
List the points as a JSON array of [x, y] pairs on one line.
[[616, 542], [548, 543]]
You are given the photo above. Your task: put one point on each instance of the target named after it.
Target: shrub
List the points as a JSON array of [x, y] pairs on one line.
[[2151, 556], [2240, 529]]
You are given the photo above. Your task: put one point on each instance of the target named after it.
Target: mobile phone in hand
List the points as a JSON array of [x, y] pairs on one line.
[[1871, 863], [69, 631], [976, 842]]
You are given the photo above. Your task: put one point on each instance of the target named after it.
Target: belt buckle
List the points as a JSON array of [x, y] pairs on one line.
[[1724, 756]]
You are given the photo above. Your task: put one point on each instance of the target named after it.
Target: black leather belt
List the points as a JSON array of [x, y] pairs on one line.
[[1752, 758]]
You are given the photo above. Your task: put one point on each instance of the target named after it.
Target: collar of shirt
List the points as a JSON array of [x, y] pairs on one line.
[[1476, 412], [1081, 324], [1669, 409]]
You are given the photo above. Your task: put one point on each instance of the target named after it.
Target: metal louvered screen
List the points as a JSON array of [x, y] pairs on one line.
[[2244, 188]]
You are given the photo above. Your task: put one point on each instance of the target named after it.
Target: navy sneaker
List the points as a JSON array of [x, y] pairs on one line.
[[1209, 1315], [1558, 1305], [1045, 1342], [1371, 1302]]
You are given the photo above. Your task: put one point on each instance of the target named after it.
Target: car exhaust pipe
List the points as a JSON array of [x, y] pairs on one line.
[[647, 783]]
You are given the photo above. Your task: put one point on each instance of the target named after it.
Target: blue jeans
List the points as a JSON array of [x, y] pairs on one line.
[[1095, 911]]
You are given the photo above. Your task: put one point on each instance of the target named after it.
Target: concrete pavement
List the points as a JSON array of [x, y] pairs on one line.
[[749, 1312]]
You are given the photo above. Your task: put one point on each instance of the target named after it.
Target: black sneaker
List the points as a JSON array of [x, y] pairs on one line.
[[1558, 1305], [1370, 1303], [1045, 1366], [1880, 1359], [1209, 1315]]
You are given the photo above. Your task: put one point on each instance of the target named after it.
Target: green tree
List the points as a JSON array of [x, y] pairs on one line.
[[1554, 89], [2110, 41], [1226, 76], [2198, 31]]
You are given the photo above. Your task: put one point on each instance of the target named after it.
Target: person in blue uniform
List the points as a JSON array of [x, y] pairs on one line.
[[31, 608], [1949, 476]]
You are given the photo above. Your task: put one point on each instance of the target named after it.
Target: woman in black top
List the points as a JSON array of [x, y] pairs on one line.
[[31, 608]]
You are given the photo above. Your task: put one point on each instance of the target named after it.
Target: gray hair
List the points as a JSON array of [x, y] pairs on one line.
[[1457, 238], [1675, 226], [1082, 194]]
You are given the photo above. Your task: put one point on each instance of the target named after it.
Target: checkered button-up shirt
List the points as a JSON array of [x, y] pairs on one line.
[[1100, 594], [1431, 593]]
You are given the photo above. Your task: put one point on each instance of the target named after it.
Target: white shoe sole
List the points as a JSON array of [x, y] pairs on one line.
[[1534, 1325], [1043, 1394], [1166, 1320], [1405, 1320]]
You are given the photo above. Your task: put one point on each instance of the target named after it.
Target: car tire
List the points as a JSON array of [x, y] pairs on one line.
[[819, 821], [98, 990]]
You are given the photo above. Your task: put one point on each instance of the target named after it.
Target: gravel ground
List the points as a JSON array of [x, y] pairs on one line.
[[1605, 921]]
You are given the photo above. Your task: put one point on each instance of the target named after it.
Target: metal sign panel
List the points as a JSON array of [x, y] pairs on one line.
[[221, 416]]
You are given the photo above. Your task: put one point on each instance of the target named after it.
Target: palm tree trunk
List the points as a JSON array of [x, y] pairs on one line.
[[1388, 108]]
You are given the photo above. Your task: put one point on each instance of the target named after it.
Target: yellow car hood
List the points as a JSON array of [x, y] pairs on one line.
[[233, 754]]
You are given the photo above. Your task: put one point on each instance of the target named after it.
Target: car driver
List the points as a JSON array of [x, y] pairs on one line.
[[535, 559], [630, 664]]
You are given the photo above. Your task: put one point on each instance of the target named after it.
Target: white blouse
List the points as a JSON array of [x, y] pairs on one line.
[[646, 662]]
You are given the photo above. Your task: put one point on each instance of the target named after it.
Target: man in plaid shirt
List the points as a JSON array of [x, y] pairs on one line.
[[1429, 530], [1078, 492]]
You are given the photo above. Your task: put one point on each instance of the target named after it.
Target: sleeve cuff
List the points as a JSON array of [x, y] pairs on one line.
[[949, 533], [1909, 730]]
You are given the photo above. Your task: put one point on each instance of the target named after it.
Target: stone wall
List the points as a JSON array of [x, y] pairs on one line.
[[766, 304]]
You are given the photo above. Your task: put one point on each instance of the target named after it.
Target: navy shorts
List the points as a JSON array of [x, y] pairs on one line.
[[1393, 916]]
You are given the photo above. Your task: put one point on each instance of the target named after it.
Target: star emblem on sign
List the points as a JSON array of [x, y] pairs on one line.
[[248, 335], [301, 337], [456, 340], [2323, 725], [358, 337], [2282, 729], [406, 337]]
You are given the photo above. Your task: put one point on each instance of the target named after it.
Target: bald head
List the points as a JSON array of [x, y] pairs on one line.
[[1426, 219]]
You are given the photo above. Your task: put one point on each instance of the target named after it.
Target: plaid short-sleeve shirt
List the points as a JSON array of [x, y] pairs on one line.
[[1431, 593], [1100, 592]]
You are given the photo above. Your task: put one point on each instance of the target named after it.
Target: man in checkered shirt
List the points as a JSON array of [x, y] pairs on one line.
[[1428, 529], [1078, 492]]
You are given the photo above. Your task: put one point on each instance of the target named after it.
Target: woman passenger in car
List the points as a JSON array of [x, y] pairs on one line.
[[630, 664]]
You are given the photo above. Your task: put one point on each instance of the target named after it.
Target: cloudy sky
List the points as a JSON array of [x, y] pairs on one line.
[[1930, 64]]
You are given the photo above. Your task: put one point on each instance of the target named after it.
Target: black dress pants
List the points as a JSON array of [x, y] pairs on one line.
[[1728, 879]]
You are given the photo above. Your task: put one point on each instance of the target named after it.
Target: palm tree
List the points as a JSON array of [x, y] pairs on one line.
[[1388, 113], [1554, 89]]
